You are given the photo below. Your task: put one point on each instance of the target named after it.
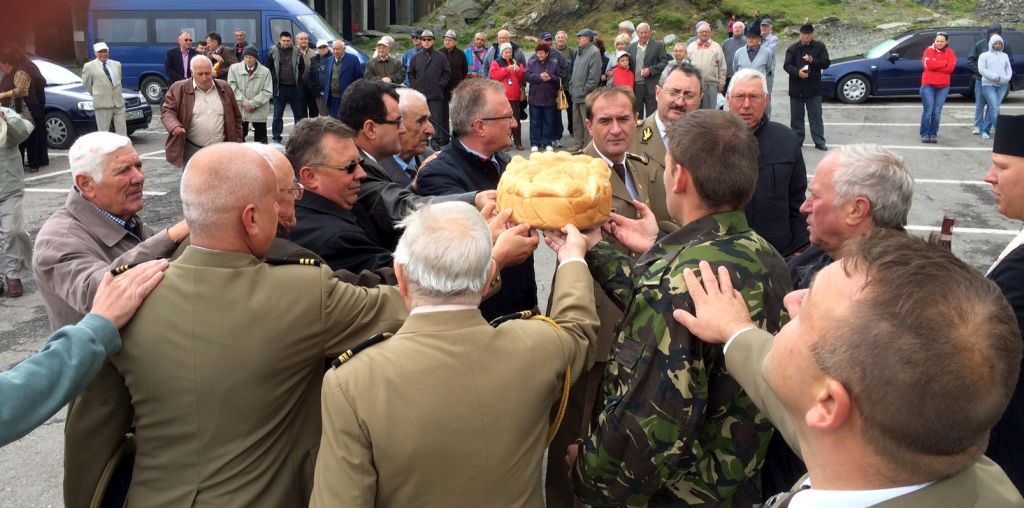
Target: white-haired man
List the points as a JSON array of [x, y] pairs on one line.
[[413, 143], [707, 55], [774, 211], [199, 112], [15, 245], [627, 27], [97, 229], [447, 356], [735, 41], [855, 189], [649, 59], [220, 305]]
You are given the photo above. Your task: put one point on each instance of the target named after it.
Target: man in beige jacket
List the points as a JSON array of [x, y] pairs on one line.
[[452, 411], [102, 80], [887, 379]]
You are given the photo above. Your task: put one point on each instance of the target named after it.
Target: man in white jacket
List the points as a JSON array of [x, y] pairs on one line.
[[102, 80]]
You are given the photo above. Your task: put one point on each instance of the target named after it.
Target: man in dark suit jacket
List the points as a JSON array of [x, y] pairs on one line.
[[482, 121], [1007, 272], [176, 63], [851, 381], [649, 59]]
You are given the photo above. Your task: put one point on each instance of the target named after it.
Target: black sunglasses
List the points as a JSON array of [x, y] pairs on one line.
[[396, 123], [349, 168]]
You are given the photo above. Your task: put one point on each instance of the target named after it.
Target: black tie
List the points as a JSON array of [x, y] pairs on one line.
[[620, 169], [107, 72]]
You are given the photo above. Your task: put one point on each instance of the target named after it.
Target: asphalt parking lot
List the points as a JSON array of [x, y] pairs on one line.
[[948, 175]]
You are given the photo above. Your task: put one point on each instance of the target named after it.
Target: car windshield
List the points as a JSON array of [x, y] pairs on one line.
[[881, 49], [318, 28], [56, 75]]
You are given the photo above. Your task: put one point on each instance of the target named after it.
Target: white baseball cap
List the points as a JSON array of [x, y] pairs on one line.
[[100, 46]]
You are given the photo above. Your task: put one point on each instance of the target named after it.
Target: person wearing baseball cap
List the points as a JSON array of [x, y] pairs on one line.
[[805, 60], [101, 79], [382, 66], [407, 57], [429, 74], [459, 70], [768, 39], [1005, 175]]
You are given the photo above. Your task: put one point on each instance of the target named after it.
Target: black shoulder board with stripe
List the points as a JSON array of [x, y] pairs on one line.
[[119, 269], [347, 355], [526, 314], [292, 261], [642, 158]]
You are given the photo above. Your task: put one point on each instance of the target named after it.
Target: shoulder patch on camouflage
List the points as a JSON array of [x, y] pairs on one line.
[[302, 260], [347, 355]]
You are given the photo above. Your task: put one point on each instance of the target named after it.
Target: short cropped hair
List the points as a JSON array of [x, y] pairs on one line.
[[364, 100], [747, 75], [445, 252], [686, 68], [304, 144], [930, 352], [881, 176], [720, 153], [198, 59], [284, 33], [407, 96], [605, 93], [215, 36], [91, 152], [469, 102]]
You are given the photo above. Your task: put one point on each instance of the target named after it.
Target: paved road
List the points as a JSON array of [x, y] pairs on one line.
[[948, 180]]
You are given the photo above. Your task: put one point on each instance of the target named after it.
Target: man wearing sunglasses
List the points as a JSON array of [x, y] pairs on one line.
[[177, 60], [429, 74]]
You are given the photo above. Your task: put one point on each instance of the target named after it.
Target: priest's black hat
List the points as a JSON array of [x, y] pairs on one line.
[[1009, 135]]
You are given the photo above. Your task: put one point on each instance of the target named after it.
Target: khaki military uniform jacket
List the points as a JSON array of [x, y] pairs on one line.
[[224, 362], [647, 142], [451, 412], [73, 250], [983, 485]]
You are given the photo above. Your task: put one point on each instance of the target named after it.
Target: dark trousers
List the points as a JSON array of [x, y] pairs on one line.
[[439, 110], [34, 149], [259, 131], [312, 111], [646, 103], [543, 128], [289, 95], [517, 132], [796, 118]]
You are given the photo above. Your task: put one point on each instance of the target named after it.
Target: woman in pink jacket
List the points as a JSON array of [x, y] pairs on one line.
[[938, 61], [510, 73]]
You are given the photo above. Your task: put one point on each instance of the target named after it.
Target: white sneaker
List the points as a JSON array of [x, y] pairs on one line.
[[549, 149], [533, 149], [976, 131]]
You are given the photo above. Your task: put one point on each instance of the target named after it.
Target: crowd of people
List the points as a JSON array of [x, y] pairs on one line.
[[342, 315]]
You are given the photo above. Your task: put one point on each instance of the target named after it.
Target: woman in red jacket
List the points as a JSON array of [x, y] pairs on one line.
[[938, 61], [510, 73]]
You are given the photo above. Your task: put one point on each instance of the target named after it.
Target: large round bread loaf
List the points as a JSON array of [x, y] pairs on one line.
[[553, 189]]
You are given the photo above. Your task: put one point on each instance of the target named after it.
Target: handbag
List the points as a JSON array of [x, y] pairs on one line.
[[561, 101]]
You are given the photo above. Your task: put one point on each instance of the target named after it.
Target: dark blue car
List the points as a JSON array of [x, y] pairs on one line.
[[69, 112], [893, 67]]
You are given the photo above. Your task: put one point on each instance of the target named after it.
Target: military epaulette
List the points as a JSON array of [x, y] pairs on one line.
[[642, 158], [640, 122], [119, 269], [526, 314], [347, 355], [302, 260]]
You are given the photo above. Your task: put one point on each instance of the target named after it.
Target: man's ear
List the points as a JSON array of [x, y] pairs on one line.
[[249, 221], [681, 180], [858, 210], [403, 285], [86, 185], [369, 129], [831, 408], [309, 178]]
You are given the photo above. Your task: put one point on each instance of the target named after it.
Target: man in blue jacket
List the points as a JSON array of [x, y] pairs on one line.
[[340, 72]]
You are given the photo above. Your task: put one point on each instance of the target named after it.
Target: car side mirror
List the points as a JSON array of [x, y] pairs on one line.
[[894, 56]]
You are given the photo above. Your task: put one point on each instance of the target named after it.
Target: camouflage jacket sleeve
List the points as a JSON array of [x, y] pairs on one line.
[[612, 269]]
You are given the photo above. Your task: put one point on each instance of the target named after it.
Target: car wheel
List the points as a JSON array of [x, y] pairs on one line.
[[60, 132], [153, 89], [853, 89]]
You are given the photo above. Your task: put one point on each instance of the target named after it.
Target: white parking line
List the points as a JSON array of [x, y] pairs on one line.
[[40, 177], [951, 182], [883, 124], [835, 107], [65, 191], [970, 231], [915, 147], [151, 153]]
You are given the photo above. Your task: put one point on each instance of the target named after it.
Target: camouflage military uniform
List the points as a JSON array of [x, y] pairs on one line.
[[675, 429]]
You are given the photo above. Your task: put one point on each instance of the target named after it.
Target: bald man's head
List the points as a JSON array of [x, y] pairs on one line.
[[286, 190], [228, 196]]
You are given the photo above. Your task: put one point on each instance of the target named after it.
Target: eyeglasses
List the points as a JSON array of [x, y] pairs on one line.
[[187, 40], [674, 95], [426, 38], [396, 123], [349, 168], [741, 98], [509, 116], [296, 189]]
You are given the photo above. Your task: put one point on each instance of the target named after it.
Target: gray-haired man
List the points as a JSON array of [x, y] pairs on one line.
[[586, 76], [15, 246]]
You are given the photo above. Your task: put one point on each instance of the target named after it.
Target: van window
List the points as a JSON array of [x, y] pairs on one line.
[[914, 48], [962, 44], [318, 28], [1014, 41], [167, 29], [278, 25], [226, 27], [129, 30]]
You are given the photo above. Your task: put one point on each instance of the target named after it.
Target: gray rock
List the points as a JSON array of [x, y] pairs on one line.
[[829, 20], [402, 29], [899, 25], [962, 22], [463, 8]]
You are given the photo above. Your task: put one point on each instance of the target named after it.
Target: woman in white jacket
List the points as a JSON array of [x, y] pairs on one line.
[[994, 67]]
